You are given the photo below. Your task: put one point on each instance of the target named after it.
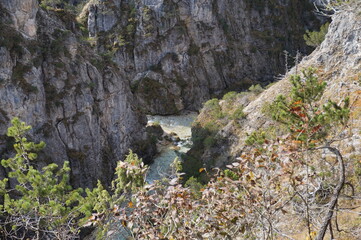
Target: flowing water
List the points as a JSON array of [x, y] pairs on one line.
[[181, 126]]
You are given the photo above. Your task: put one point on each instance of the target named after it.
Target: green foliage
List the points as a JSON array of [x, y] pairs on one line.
[[256, 89], [212, 108], [256, 137], [19, 72], [156, 67], [176, 166], [231, 174], [195, 187], [305, 118], [209, 141], [9, 38], [56, 5], [238, 113], [130, 174], [130, 178], [315, 38], [50, 4], [156, 123], [253, 196], [229, 110], [42, 204], [121, 37], [230, 96], [98, 202], [130, 29], [215, 115], [58, 43]]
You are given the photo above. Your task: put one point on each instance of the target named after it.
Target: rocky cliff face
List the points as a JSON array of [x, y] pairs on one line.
[[177, 54], [84, 95], [338, 59], [76, 101]]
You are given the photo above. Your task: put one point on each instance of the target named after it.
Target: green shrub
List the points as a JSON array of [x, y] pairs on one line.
[[55, 5], [209, 141], [18, 77], [298, 112], [42, 204], [156, 123], [195, 187], [315, 38], [213, 108], [231, 174], [230, 96], [130, 29], [256, 137], [193, 49], [256, 89], [238, 113], [211, 127]]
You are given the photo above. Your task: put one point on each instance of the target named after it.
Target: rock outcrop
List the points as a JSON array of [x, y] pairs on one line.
[[22, 15], [76, 101], [338, 59], [177, 54]]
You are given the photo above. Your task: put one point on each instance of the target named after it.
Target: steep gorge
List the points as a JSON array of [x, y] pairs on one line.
[[85, 83]]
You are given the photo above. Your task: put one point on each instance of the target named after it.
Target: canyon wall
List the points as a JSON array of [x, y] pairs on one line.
[[178, 54], [76, 101]]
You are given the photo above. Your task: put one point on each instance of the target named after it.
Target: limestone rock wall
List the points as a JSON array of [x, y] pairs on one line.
[[76, 101], [178, 54]]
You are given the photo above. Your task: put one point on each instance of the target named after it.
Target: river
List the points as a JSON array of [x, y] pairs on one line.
[[181, 126]]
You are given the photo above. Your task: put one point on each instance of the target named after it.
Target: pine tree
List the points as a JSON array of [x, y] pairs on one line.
[[104, 205], [42, 204], [315, 38], [307, 120], [314, 127]]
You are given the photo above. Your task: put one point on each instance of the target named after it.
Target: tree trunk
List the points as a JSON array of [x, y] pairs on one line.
[[335, 195]]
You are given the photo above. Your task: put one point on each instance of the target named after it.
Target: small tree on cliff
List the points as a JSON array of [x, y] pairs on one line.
[[312, 127], [37, 204], [129, 179], [287, 176]]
